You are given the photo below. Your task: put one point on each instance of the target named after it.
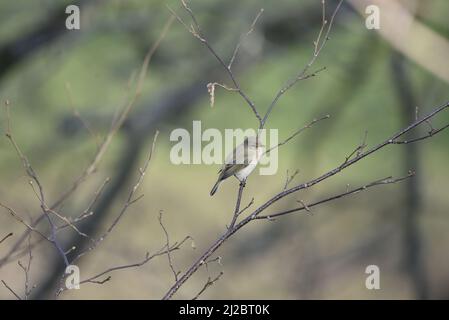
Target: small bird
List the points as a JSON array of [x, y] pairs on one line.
[[241, 162]]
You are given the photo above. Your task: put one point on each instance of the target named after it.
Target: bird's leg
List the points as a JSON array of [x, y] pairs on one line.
[[242, 181]]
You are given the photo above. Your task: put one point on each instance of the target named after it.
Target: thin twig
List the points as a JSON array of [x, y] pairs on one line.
[[115, 126], [237, 205], [297, 132], [32, 174], [16, 216], [246, 207], [101, 281], [94, 200], [303, 73], [388, 180], [167, 245], [254, 215], [88, 211], [129, 201], [11, 290], [195, 30], [358, 149], [6, 237], [26, 270], [242, 37], [68, 223], [429, 134], [148, 257], [208, 284], [290, 178]]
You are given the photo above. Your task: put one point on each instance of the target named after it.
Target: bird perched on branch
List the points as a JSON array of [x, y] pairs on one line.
[[241, 162]]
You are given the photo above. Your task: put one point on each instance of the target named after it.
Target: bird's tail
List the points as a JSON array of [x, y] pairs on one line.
[[215, 187]]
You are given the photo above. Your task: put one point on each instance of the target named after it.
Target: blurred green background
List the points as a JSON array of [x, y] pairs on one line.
[[368, 86]]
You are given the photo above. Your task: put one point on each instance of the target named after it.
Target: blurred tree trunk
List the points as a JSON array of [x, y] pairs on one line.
[[412, 240]]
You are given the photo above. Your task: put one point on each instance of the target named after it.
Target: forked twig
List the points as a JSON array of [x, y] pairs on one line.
[[195, 30], [256, 214], [319, 44], [208, 283], [148, 257], [115, 126], [167, 245]]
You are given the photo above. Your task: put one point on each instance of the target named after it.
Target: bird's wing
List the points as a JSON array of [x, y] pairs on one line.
[[230, 170], [240, 158], [240, 155]]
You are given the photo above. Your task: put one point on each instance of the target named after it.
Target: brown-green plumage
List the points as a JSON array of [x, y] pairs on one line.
[[240, 162]]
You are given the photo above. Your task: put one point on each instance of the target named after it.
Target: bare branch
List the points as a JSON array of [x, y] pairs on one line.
[[68, 223], [319, 44], [388, 180], [237, 206], [6, 237], [88, 211], [162, 251], [290, 178], [358, 149], [208, 284], [297, 132], [11, 290], [26, 270], [142, 172], [121, 117], [216, 259], [256, 213], [167, 245], [32, 174], [115, 126], [242, 37], [101, 281], [306, 207], [195, 30], [246, 207], [431, 133], [97, 195], [16, 216], [129, 201]]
